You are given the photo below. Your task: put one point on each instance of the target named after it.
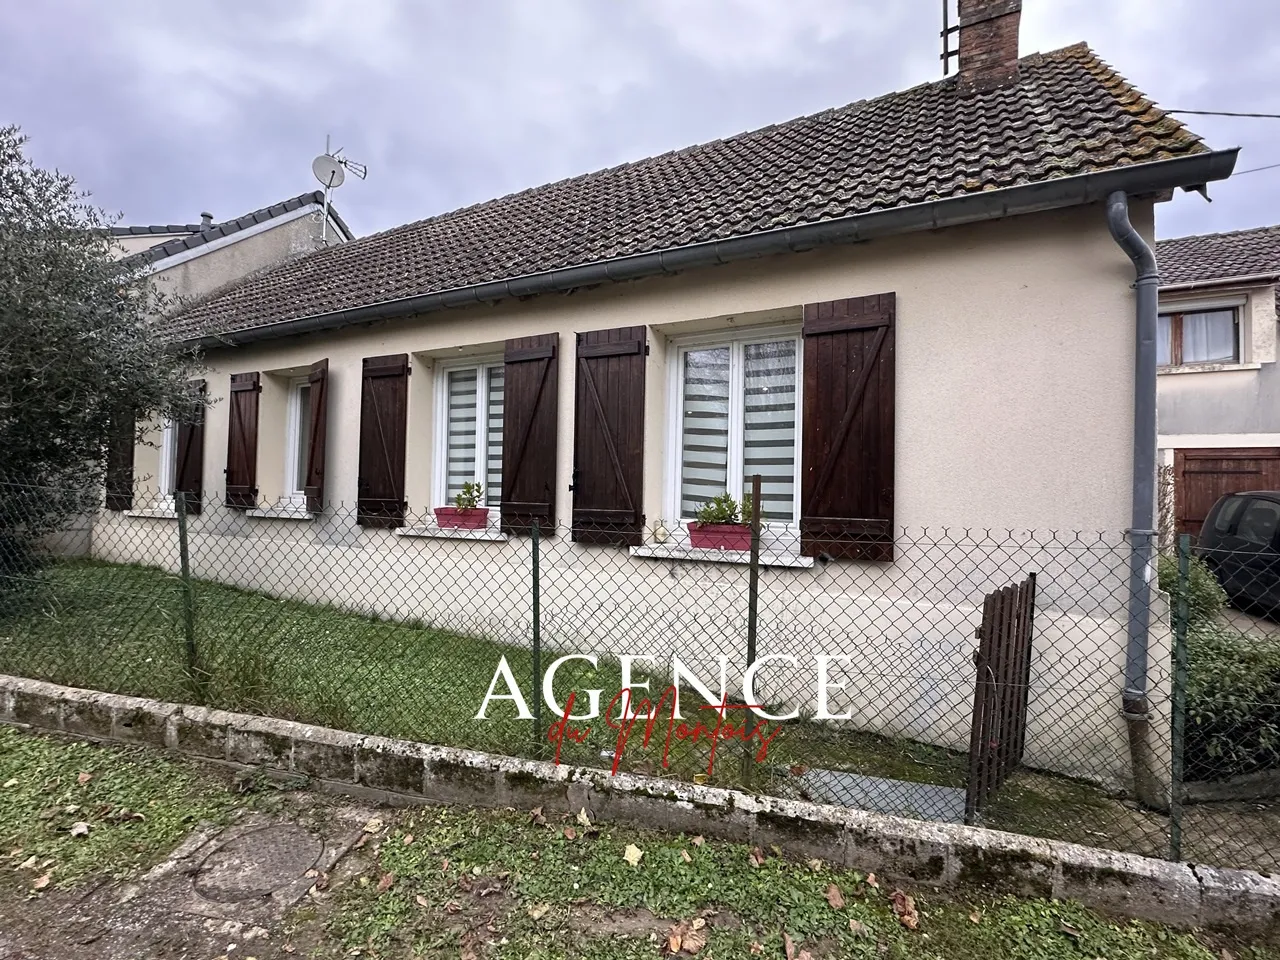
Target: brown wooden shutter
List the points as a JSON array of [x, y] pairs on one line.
[[120, 444], [318, 424], [847, 487], [384, 408], [529, 410], [242, 440], [608, 437], [189, 469]]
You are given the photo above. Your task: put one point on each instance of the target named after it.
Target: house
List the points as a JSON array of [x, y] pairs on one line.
[[907, 314], [195, 259], [1219, 387]]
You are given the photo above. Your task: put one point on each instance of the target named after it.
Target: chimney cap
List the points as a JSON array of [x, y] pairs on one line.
[[206, 219]]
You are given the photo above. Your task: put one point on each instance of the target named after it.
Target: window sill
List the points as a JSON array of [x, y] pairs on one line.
[[1208, 368], [153, 513], [663, 551], [280, 513], [489, 534]]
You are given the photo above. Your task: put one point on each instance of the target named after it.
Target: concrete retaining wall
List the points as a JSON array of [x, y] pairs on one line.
[[934, 854]]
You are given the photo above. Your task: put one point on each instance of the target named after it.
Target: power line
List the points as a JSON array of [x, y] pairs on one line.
[[1226, 113], [1269, 166]]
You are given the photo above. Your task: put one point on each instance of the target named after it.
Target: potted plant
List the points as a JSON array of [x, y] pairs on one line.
[[722, 524], [466, 512]]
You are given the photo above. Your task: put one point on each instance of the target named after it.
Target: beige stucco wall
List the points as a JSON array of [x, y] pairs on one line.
[[127, 246], [284, 239], [1014, 411]]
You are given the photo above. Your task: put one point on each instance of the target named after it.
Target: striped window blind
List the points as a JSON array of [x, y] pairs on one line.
[[769, 426], [493, 454], [704, 428], [460, 457]]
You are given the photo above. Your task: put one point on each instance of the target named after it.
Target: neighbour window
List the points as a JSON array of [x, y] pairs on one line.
[[1259, 522], [738, 412], [297, 441], [472, 431], [1211, 336]]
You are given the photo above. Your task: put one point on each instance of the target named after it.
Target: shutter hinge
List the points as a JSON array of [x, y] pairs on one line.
[[646, 348]]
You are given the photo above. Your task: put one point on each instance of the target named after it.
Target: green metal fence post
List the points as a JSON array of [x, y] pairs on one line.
[[188, 598], [537, 641], [1179, 718]]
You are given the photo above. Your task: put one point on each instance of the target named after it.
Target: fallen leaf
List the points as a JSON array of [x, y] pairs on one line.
[[84, 778], [408, 840], [535, 816], [79, 829], [757, 948], [697, 841], [444, 865], [858, 928], [12, 782], [905, 908], [757, 856], [452, 907], [487, 886], [789, 945], [28, 863], [41, 882], [422, 901], [583, 818], [684, 855], [288, 948], [538, 910], [364, 838], [976, 916], [687, 936], [775, 850], [1227, 954], [570, 833], [632, 854], [700, 778], [1069, 930], [387, 880], [798, 769], [464, 883], [835, 897], [872, 881], [373, 825], [815, 865], [322, 883]]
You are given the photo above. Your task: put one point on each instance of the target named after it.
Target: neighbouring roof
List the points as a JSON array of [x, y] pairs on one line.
[[1068, 114], [1215, 257], [198, 235]]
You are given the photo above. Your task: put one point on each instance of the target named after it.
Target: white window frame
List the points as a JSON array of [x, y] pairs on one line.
[[296, 420], [787, 535], [439, 478], [167, 467]]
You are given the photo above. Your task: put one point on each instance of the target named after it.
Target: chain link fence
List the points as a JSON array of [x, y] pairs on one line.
[[864, 672]]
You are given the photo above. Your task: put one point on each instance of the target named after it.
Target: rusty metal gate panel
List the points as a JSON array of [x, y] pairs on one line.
[[998, 735]]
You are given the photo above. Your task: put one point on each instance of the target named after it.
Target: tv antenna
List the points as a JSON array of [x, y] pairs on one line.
[[330, 168]]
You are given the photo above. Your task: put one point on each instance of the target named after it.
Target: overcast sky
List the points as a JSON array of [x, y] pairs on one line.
[[165, 109]]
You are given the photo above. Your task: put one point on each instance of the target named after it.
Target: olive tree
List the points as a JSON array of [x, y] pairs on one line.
[[82, 356]]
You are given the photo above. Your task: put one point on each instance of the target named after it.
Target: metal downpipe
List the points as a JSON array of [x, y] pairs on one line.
[[1134, 700]]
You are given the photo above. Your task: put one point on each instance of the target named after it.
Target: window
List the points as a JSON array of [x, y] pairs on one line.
[[297, 442], [737, 404], [1227, 514], [1211, 336], [167, 471], [1259, 521], [471, 428]]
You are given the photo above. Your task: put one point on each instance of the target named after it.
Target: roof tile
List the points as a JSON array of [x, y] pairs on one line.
[[1068, 114]]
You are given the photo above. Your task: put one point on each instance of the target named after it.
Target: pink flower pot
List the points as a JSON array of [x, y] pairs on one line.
[[462, 518], [722, 536]]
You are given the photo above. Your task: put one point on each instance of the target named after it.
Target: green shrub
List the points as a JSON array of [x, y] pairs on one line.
[[1233, 703], [1205, 596]]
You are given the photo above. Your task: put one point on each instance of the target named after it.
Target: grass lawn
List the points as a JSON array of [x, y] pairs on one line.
[[119, 628], [447, 882]]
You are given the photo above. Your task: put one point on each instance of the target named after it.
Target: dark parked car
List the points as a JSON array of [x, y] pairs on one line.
[[1240, 541]]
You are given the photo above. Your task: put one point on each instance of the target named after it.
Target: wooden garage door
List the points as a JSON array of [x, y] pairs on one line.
[[1202, 476]]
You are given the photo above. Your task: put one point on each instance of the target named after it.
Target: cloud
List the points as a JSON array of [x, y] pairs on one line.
[[164, 109]]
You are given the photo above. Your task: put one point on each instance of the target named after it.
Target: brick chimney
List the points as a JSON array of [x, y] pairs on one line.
[[989, 43]]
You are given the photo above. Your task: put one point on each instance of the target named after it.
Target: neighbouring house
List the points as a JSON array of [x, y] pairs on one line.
[[911, 313], [1219, 387]]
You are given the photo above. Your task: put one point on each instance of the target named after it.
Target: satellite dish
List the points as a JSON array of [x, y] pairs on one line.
[[328, 170]]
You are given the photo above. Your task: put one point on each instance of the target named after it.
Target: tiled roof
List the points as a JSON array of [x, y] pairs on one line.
[[1219, 256], [199, 235], [160, 228], [1069, 113]]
